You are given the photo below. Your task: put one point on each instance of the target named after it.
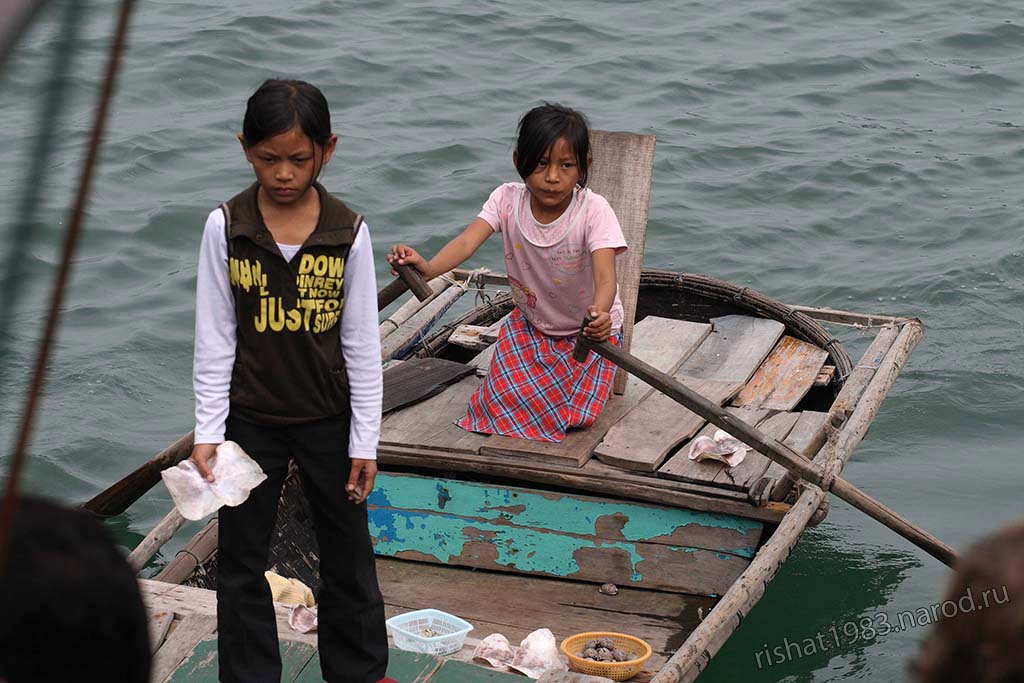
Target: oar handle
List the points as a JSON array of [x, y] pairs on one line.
[[582, 349], [408, 279], [771, 448]]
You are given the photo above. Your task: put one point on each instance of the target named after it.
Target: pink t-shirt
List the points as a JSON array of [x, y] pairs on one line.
[[549, 265]]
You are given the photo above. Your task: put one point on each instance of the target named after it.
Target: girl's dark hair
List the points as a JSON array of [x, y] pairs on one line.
[[66, 578], [279, 104], [541, 127]]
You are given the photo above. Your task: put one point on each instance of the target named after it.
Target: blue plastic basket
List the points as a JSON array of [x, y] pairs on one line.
[[408, 631]]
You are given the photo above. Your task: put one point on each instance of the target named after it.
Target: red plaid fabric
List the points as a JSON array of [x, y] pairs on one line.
[[534, 389]]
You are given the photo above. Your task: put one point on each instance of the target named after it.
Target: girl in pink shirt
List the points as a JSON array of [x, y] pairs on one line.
[[560, 242]]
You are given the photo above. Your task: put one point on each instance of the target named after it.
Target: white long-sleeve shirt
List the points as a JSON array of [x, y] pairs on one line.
[[216, 338]]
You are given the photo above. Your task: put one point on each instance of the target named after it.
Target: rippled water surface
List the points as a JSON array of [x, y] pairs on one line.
[[859, 154]]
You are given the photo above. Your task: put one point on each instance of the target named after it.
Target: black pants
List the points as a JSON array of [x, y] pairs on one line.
[[352, 637]]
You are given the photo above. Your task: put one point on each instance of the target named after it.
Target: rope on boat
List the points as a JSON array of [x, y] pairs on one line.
[[8, 506]]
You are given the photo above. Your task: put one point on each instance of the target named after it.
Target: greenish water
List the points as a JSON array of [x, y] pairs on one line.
[[855, 154]]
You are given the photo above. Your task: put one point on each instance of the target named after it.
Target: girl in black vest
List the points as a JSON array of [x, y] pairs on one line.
[[287, 364]]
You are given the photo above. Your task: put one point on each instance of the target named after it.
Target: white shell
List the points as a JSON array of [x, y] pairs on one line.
[[496, 651], [538, 653], [302, 619], [723, 447]]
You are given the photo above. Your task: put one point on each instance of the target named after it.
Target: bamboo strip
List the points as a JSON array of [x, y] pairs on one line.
[[851, 318], [413, 305], [190, 558], [155, 539], [408, 333]]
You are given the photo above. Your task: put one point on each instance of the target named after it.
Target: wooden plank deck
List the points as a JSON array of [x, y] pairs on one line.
[[718, 369], [785, 377], [742, 359], [662, 342], [681, 468], [510, 604]]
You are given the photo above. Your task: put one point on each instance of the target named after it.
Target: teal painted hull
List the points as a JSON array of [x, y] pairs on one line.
[[560, 535]]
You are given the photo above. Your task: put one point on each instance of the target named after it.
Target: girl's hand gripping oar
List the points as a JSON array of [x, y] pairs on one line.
[[408, 278], [798, 465], [121, 495]]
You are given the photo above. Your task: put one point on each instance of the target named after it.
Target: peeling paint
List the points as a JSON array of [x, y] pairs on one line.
[[485, 525], [525, 549], [552, 511], [442, 496]]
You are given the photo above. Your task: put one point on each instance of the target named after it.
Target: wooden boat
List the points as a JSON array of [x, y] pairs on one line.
[[515, 536]]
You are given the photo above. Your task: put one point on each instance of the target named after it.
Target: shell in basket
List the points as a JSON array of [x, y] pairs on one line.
[[573, 647]]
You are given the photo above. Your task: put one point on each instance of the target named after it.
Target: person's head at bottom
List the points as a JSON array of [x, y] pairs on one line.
[[979, 633], [71, 605]]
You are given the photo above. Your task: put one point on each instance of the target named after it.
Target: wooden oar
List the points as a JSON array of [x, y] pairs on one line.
[[798, 465], [120, 496], [408, 278]]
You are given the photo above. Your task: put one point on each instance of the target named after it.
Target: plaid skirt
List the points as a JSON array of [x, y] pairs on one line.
[[534, 389]]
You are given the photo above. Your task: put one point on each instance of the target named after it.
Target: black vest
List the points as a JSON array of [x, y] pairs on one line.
[[288, 362]]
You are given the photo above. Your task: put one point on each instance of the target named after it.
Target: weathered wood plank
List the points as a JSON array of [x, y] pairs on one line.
[[734, 350], [464, 672], [187, 600], [664, 343], [575, 449], [742, 476], [418, 425], [182, 639], [429, 424], [824, 377], [408, 333], [718, 368], [477, 337], [201, 666], [621, 173], [646, 436], [159, 623], [549, 534], [155, 539], [412, 667], [515, 605], [681, 468], [861, 375], [482, 360], [807, 438], [606, 519], [482, 598], [472, 337], [785, 377], [594, 477]]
